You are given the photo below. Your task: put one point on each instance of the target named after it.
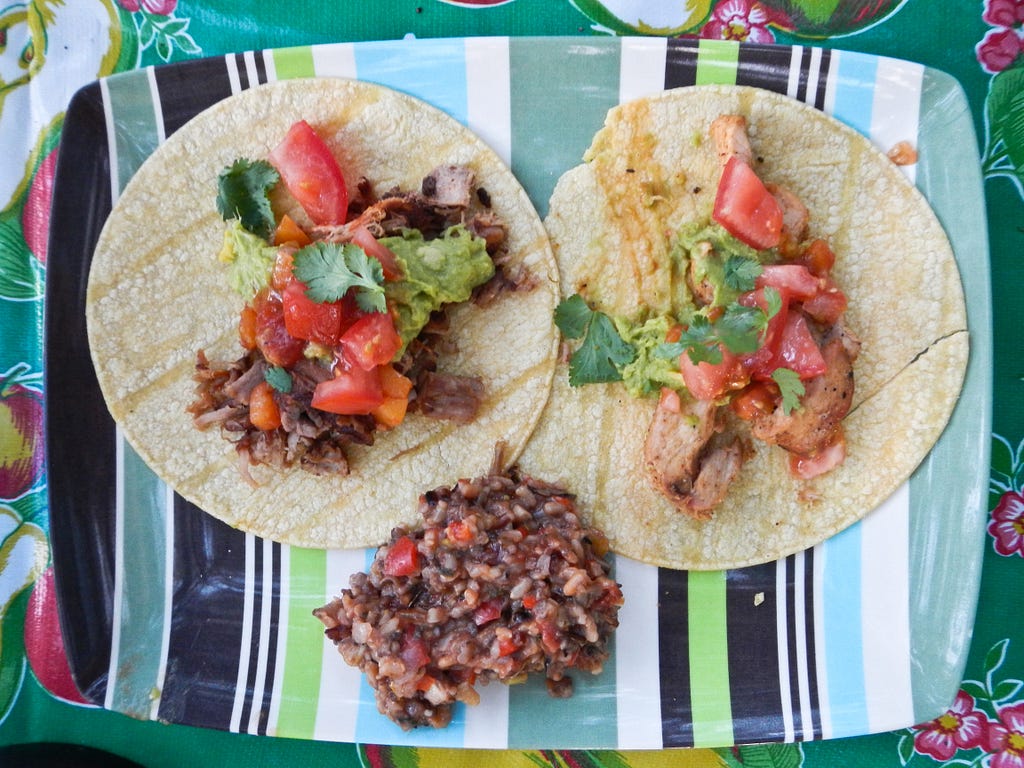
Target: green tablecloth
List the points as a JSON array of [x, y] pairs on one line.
[[49, 48]]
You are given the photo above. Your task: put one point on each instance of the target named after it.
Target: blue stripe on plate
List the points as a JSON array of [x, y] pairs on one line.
[[854, 90]]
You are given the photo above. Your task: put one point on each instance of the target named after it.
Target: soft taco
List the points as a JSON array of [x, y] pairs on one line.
[[175, 331], [648, 253]]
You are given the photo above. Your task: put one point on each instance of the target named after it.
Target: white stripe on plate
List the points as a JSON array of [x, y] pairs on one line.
[[641, 67], [249, 57], [800, 630], [165, 637], [108, 121], [782, 642], [796, 55], [245, 646], [820, 656], [637, 659], [158, 114], [269, 65], [282, 641], [486, 725], [115, 619], [259, 685], [896, 108], [338, 703], [232, 67], [488, 93], [885, 613], [813, 71], [334, 60]]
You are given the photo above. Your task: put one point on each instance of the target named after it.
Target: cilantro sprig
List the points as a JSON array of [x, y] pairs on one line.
[[329, 270], [243, 190], [738, 329], [278, 378], [603, 352], [791, 388]]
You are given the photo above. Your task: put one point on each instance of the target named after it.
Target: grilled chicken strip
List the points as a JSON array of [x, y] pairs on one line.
[[729, 132], [826, 401], [690, 459]]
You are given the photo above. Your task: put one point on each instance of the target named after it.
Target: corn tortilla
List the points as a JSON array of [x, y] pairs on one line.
[[157, 294], [651, 168]]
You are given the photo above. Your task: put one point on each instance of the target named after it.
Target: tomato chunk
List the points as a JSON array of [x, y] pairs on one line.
[[798, 350], [709, 381], [264, 413], [371, 341], [272, 338], [311, 320], [312, 175], [362, 237], [745, 207], [756, 400], [795, 280], [762, 362], [402, 559], [352, 391]]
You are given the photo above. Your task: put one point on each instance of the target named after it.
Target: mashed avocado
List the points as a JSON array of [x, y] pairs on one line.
[[250, 259], [435, 272], [648, 373]]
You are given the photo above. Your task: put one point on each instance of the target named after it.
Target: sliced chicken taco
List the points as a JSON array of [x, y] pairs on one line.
[[317, 298], [765, 328]]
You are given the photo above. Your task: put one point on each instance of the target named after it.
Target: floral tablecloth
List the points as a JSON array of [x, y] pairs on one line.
[[50, 48]]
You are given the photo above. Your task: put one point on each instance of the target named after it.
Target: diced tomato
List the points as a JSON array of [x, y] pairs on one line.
[[281, 274], [414, 652], [288, 231], [674, 334], [707, 381], [371, 341], [247, 327], [549, 637], [459, 531], [311, 320], [352, 391], [402, 559], [669, 400], [798, 350], [794, 280], [263, 411], [825, 460], [362, 237], [312, 174], [746, 208], [487, 611], [828, 306], [272, 337], [762, 361], [818, 257], [529, 601], [425, 684], [756, 400], [507, 646]]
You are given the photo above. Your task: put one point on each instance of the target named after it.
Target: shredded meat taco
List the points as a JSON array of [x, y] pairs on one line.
[[765, 328], [317, 298]]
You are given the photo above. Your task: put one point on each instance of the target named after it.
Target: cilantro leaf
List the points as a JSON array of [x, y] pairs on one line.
[[790, 386], [572, 316], [329, 270], [279, 379], [774, 300], [739, 328], [601, 355], [242, 193], [740, 273]]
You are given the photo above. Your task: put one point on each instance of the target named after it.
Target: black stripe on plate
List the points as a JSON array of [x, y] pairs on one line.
[[274, 588], [206, 626], [680, 63], [822, 84], [188, 88], [243, 72], [261, 67], [258, 596], [674, 659], [764, 66], [812, 677], [80, 437], [751, 620], [791, 646]]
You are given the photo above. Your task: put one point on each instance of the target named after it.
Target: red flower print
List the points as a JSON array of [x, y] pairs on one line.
[[1006, 738], [1007, 524], [1004, 13], [156, 7], [740, 20], [961, 727], [998, 49]]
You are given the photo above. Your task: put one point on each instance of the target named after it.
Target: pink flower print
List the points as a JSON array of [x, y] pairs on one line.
[[1006, 738], [1007, 524], [961, 727], [156, 7], [739, 20], [998, 49], [1004, 13]]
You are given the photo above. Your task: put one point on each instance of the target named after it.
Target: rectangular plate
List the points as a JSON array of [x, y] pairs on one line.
[[171, 615]]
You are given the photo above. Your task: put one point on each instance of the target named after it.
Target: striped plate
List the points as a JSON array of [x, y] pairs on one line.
[[171, 615]]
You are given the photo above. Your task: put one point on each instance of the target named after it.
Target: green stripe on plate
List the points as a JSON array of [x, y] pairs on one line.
[[571, 85], [709, 659], [300, 687], [293, 62], [136, 133], [717, 61]]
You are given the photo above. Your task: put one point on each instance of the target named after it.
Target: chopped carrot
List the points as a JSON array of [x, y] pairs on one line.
[[289, 232], [393, 383], [247, 327], [391, 412], [282, 271], [263, 411]]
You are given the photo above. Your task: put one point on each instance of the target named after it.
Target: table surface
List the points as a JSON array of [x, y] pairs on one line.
[[51, 49]]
